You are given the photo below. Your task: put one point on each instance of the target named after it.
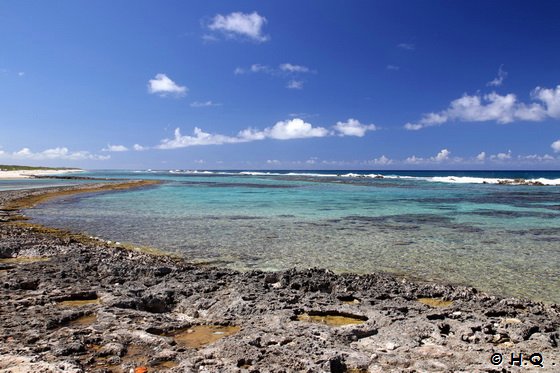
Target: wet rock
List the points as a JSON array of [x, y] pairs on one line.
[[162, 271], [112, 348], [79, 295], [157, 304], [24, 285], [68, 349]]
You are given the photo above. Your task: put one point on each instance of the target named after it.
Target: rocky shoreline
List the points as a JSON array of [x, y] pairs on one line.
[[72, 304]]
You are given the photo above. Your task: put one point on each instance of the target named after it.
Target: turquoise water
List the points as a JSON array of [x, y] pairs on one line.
[[36, 183], [445, 226]]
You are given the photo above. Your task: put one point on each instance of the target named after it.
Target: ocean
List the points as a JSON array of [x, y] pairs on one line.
[[458, 227]]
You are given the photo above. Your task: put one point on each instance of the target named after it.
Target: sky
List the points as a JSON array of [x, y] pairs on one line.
[[280, 85]]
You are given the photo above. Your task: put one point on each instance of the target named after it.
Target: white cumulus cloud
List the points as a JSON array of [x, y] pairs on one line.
[[237, 24], [474, 109], [255, 68], [443, 155], [536, 158], [413, 126], [139, 148], [258, 68], [115, 148], [499, 79], [501, 156], [164, 86], [556, 146], [208, 103], [294, 84], [283, 71], [383, 160], [481, 157], [288, 67], [353, 127], [294, 129], [495, 107], [414, 160], [199, 137], [551, 98], [284, 130]]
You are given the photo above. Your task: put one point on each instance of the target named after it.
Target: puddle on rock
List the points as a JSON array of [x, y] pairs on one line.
[[83, 321], [201, 335], [166, 364], [332, 318], [136, 355], [23, 260], [435, 302], [78, 303], [78, 300], [510, 320]]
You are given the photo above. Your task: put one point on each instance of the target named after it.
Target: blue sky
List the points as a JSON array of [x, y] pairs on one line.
[[287, 85]]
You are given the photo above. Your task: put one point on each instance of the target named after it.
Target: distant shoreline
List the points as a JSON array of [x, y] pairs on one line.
[[29, 173]]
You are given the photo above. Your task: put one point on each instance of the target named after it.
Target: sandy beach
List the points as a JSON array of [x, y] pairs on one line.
[[26, 174], [76, 303]]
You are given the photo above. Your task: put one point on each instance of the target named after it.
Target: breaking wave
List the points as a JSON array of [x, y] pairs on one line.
[[353, 175]]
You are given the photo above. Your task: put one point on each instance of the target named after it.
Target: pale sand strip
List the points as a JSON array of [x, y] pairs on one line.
[[25, 174]]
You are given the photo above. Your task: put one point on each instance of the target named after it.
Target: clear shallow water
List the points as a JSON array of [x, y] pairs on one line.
[[501, 239], [36, 183]]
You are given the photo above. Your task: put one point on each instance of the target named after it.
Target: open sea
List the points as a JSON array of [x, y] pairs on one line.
[[453, 226]]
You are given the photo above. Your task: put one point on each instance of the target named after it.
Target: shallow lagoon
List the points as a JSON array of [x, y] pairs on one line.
[[500, 239]]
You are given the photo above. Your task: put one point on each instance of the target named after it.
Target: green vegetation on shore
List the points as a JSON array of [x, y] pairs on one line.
[[7, 167]]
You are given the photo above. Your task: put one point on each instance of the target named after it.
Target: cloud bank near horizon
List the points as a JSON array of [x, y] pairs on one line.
[[495, 107], [283, 130], [59, 153]]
